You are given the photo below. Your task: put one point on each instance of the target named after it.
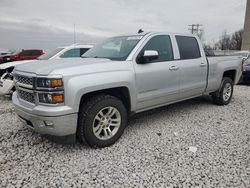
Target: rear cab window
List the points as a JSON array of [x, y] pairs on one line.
[[188, 47]]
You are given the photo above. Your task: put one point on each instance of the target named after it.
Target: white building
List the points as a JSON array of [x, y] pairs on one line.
[[246, 34]]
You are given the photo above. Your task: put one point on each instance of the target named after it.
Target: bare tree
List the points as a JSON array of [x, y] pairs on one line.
[[236, 40], [224, 42], [230, 42], [207, 47]]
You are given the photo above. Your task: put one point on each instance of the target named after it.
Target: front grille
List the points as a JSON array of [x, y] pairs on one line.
[[24, 80], [26, 96]]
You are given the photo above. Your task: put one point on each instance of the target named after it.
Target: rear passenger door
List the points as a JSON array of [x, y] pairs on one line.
[[157, 81], [193, 67]]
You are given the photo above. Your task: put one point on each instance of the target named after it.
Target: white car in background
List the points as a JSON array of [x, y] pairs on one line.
[[6, 79]]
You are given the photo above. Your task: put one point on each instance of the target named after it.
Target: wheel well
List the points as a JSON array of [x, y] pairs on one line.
[[120, 92], [230, 74]]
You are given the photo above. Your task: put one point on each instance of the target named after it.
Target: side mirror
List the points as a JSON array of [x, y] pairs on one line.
[[148, 56]]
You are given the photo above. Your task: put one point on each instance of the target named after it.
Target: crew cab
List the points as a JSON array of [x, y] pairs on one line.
[[92, 97], [6, 79]]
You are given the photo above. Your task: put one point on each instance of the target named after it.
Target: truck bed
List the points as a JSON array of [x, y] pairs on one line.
[[217, 63]]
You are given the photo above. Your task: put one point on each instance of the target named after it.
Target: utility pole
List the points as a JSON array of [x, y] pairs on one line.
[[195, 29]]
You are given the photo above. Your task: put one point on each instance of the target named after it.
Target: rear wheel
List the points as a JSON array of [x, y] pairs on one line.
[[102, 120], [224, 95]]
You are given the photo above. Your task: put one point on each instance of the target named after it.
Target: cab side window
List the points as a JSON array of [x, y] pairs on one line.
[[35, 52], [71, 53], [162, 44], [188, 47]]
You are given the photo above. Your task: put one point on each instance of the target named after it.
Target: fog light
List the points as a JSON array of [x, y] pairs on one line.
[[58, 98], [49, 123], [51, 98]]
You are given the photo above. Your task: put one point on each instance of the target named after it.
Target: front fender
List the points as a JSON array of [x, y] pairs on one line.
[[80, 85]]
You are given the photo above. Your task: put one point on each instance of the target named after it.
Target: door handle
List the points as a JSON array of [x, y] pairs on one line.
[[203, 64], [173, 68]]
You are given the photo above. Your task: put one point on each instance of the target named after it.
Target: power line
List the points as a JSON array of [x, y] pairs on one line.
[[195, 28]]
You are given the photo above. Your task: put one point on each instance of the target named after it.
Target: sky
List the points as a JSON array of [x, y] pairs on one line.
[[47, 24]]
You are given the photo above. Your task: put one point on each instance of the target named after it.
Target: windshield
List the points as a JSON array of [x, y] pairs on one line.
[[50, 54], [116, 48], [16, 52]]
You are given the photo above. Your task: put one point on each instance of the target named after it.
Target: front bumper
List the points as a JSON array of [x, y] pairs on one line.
[[52, 124]]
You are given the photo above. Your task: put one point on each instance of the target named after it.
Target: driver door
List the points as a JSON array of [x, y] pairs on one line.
[[157, 81]]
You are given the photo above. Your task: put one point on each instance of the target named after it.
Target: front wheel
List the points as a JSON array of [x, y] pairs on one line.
[[102, 120], [224, 95]]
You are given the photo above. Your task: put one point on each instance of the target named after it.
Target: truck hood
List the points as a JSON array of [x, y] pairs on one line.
[[61, 66], [13, 64]]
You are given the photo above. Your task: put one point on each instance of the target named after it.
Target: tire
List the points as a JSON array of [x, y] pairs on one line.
[[224, 95], [101, 121]]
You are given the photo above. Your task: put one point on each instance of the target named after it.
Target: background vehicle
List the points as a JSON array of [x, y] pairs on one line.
[[22, 55], [246, 72], [6, 79], [7, 57], [74, 50], [209, 53], [27, 55], [93, 97], [245, 75]]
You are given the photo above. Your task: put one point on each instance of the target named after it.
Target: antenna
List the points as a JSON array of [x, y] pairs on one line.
[[140, 31], [74, 32]]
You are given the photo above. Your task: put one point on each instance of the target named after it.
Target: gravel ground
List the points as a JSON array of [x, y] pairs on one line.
[[189, 144]]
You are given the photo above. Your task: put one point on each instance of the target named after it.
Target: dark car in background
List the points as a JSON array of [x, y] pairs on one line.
[[21, 55], [246, 72], [5, 57]]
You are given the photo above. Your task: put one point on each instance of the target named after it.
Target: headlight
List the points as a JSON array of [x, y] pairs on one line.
[[51, 98], [49, 82]]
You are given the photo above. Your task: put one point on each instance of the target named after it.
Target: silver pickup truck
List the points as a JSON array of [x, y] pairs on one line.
[[91, 98]]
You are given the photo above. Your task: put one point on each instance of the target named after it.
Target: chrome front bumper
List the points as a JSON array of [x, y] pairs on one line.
[[51, 124]]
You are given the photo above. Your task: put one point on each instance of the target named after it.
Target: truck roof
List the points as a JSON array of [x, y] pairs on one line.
[[157, 32]]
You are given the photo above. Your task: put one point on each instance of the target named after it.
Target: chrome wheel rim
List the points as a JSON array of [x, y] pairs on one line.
[[227, 92], [106, 123]]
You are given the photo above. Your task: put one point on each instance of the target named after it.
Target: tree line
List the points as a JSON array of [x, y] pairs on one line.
[[227, 41]]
